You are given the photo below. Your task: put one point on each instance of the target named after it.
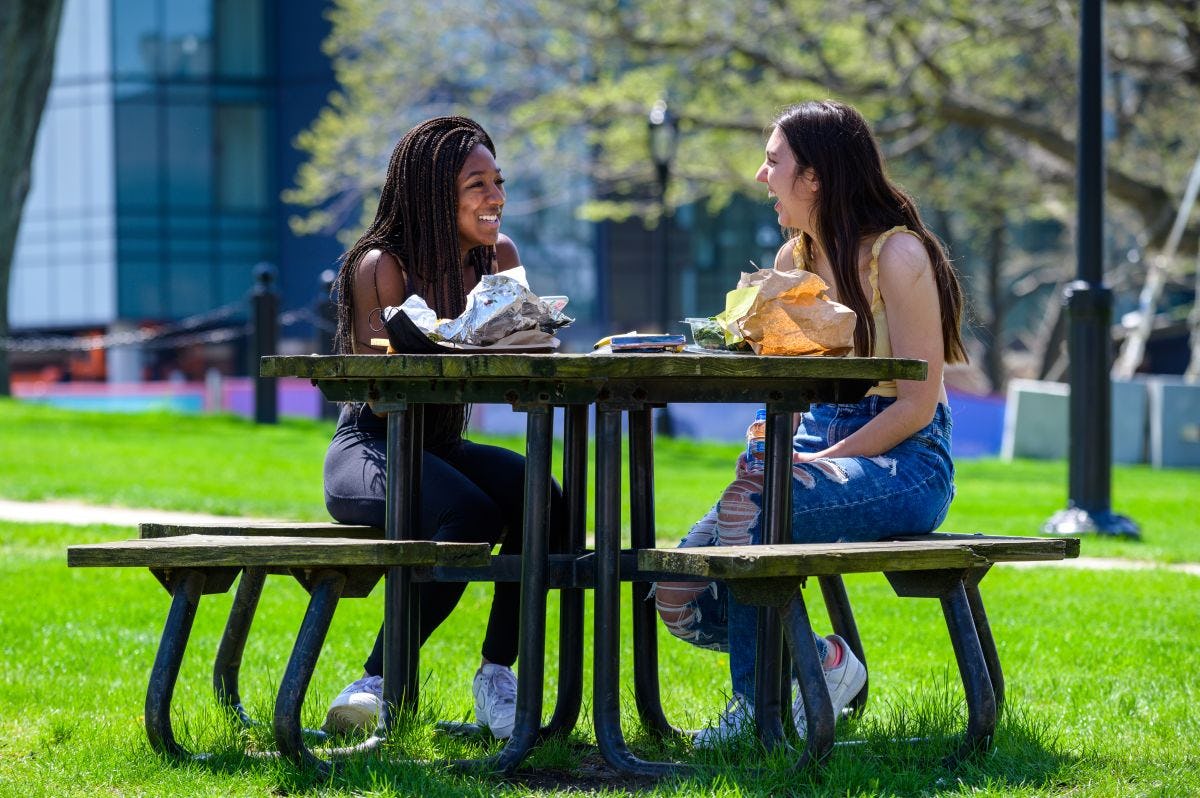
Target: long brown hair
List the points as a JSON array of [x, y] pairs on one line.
[[857, 200]]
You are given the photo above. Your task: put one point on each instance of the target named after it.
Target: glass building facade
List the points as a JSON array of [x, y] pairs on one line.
[[164, 146]]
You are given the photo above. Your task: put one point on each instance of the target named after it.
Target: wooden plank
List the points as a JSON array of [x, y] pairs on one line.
[[1069, 547], [197, 551], [280, 528], [569, 367], [816, 559]]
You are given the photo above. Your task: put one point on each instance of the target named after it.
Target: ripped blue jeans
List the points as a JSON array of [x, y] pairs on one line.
[[906, 490]]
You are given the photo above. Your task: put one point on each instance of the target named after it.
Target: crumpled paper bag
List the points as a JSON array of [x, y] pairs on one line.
[[788, 313]]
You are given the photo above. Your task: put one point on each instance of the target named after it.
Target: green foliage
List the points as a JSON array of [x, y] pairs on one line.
[[536, 72], [975, 104]]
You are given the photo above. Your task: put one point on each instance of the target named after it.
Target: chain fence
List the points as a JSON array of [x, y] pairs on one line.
[[197, 329]]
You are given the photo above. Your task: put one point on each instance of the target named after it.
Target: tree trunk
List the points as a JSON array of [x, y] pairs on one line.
[[997, 249], [28, 35]]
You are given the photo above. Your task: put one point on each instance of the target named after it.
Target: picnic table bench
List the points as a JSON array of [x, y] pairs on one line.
[[618, 387], [192, 565], [334, 561], [947, 567]]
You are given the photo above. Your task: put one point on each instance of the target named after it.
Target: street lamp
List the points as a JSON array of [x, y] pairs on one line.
[[663, 128], [1089, 309]]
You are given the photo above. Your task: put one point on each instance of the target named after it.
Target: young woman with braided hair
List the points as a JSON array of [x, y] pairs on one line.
[[863, 470], [436, 233]]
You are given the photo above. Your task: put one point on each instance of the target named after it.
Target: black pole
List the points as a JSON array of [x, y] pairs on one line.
[[663, 137], [663, 425], [264, 310], [1089, 310], [664, 248]]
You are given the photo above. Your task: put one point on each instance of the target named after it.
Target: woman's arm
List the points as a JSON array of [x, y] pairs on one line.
[[378, 283], [914, 327]]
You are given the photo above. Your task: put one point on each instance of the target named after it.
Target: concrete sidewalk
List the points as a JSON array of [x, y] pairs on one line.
[[80, 514]]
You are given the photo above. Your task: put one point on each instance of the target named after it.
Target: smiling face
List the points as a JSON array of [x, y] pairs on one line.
[[795, 195], [480, 200]]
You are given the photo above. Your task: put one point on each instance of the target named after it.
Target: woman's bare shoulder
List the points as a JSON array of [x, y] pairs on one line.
[[904, 254], [507, 256], [379, 260], [785, 259], [380, 274]]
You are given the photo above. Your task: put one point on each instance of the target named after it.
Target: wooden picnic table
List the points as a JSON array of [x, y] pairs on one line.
[[615, 384]]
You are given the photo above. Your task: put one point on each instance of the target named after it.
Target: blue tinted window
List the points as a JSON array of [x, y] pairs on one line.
[[139, 155], [137, 40], [188, 40], [140, 287], [242, 172], [189, 161], [241, 38]]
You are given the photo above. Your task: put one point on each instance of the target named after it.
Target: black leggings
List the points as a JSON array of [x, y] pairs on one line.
[[469, 493]]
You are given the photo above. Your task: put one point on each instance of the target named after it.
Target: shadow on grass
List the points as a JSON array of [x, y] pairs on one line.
[[893, 749]]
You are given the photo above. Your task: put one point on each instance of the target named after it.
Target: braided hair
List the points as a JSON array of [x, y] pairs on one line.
[[417, 222]]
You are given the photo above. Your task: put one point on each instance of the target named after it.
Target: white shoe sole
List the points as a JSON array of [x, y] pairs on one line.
[[351, 717], [499, 732]]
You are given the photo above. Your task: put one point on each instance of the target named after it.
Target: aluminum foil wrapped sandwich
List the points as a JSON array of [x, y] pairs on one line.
[[499, 306]]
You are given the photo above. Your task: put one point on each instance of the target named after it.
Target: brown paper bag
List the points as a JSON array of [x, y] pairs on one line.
[[792, 315]]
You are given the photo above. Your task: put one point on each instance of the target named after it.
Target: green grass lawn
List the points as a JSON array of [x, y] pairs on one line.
[[1100, 665]]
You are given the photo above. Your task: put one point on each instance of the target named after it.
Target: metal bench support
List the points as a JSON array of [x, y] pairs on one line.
[[186, 589]]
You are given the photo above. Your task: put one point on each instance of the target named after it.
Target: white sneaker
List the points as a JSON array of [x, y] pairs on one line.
[[738, 716], [357, 707], [843, 683], [495, 689]]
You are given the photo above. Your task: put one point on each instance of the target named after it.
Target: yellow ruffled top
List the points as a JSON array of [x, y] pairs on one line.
[[883, 342]]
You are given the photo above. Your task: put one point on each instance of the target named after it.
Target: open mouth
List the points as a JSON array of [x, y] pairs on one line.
[[490, 218]]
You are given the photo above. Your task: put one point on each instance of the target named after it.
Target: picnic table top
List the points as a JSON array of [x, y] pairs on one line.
[[615, 380], [480, 365]]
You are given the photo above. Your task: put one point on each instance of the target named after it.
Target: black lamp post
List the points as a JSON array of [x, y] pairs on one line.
[[663, 128], [664, 138], [1089, 309]]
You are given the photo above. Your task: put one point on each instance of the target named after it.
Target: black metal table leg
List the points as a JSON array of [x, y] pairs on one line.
[[606, 691], [818, 708], [187, 587], [776, 525], [534, 567], [643, 535], [841, 617], [228, 662], [569, 700], [401, 609]]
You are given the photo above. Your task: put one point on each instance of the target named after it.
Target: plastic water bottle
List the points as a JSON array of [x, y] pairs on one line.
[[756, 442]]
